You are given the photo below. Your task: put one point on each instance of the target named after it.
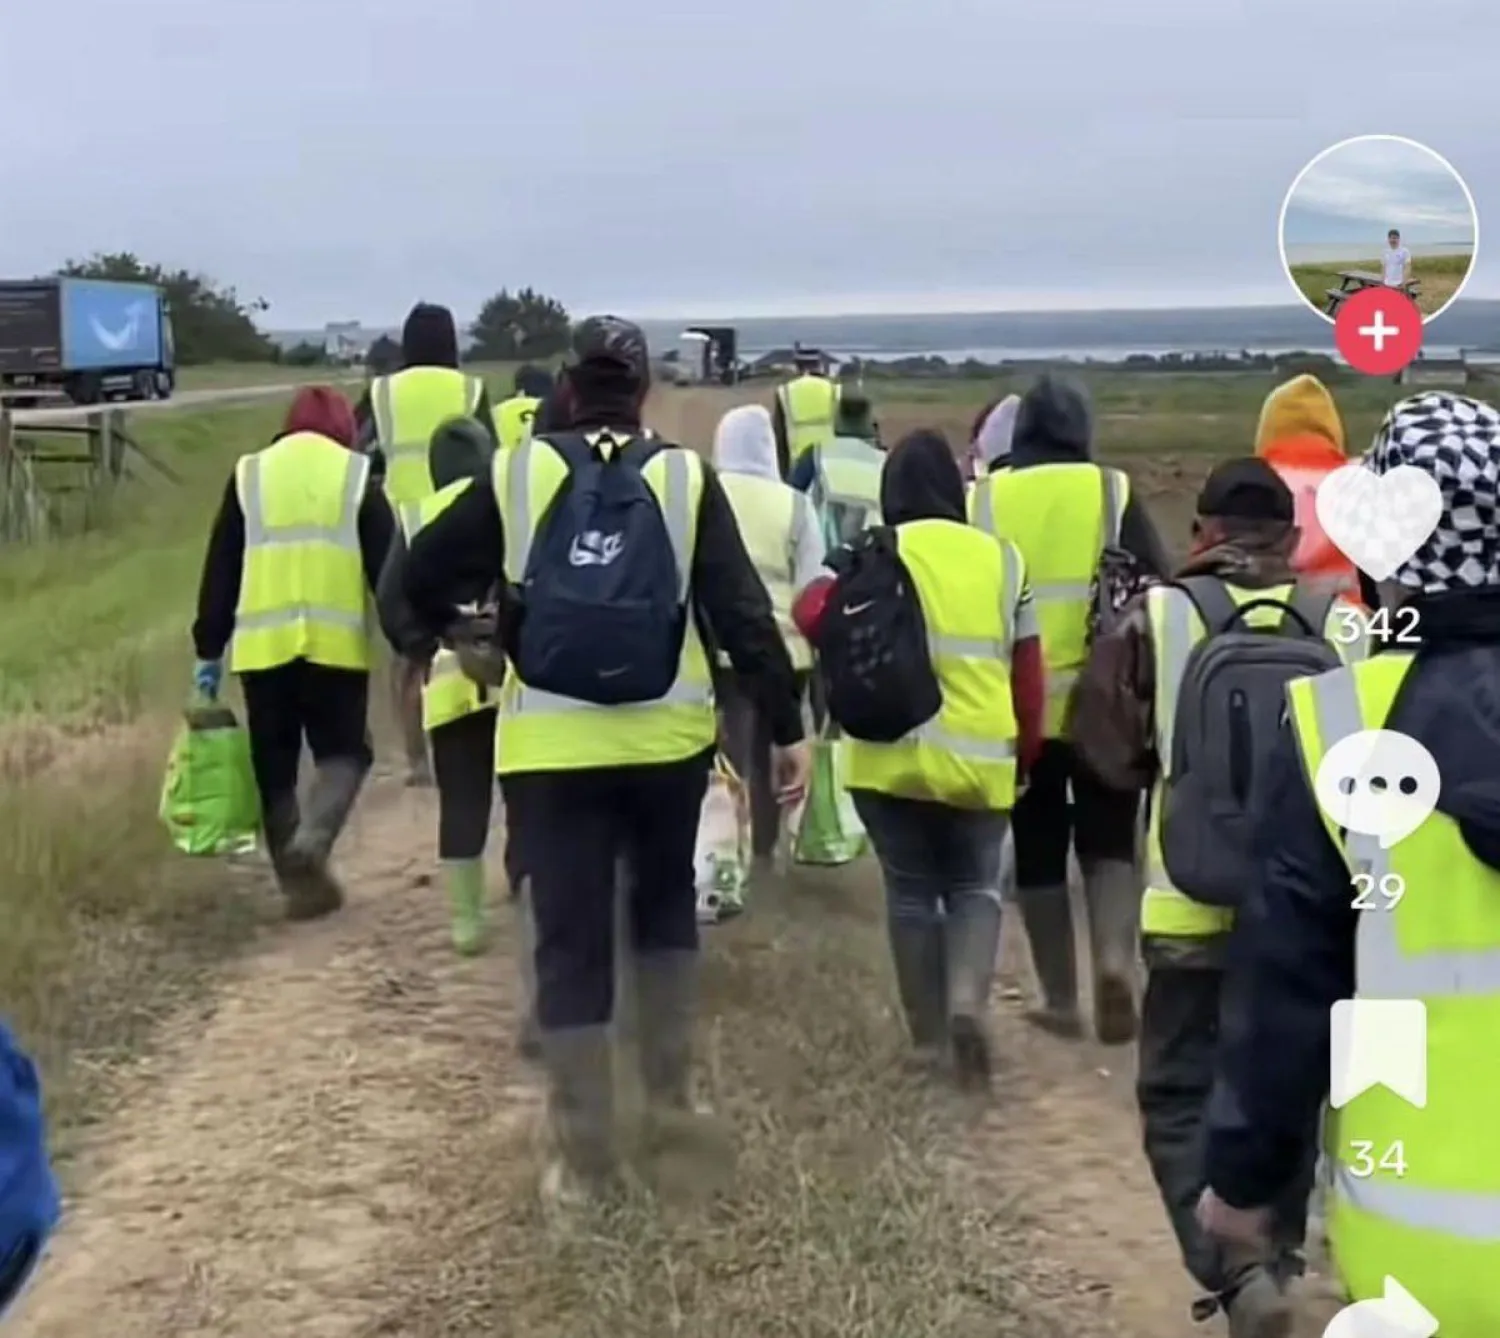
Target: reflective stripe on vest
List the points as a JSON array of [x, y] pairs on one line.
[[409, 406], [541, 731], [966, 755], [1062, 572], [766, 510], [449, 694], [1437, 1222], [849, 474], [302, 587], [810, 405]]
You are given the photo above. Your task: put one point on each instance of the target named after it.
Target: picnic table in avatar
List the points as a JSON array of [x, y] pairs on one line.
[[1357, 280]]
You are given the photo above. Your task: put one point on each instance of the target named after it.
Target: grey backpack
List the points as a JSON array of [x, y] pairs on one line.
[[1229, 711]]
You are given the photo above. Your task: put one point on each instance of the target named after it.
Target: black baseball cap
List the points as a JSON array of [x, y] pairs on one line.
[[612, 339], [1246, 489]]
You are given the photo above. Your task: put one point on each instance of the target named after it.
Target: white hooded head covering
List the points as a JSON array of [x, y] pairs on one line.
[[745, 443], [992, 445]]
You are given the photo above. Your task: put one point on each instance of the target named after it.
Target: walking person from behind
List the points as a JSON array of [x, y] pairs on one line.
[[613, 546], [1064, 512], [1183, 700], [397, 417], [781, 534], [515, 415], [805, 413], [458, 713], [297, 545], [1333, 915], [949, 614], [842, 476]]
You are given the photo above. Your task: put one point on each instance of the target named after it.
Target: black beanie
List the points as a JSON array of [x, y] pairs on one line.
[[429, 338]]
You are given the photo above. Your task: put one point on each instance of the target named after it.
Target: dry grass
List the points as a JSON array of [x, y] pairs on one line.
[[1440, 278]]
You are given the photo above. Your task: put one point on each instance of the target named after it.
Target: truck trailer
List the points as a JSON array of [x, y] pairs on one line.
[[87, 339]]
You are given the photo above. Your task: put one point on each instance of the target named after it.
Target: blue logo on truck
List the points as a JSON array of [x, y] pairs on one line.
[[110, 325]]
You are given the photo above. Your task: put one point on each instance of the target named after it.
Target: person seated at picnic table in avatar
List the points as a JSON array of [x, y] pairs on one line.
[[1395, 262]]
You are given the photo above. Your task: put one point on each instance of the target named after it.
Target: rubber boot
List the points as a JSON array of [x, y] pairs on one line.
[[1112, 893], [1258, 1305], [529, 1043], [466, 904], [685, 1144], [311, 890], [581, 1111], [972, 929], [280, 822], [1049, 929], [919, 952]]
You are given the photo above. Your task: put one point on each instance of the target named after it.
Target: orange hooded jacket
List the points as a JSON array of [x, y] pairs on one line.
[[1301, 436]]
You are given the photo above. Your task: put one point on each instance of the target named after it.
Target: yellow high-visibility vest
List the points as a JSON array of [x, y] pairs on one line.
[[302, 585], [1176, 628], [969, 585], [1414, 1194], [1061, 517], [513, 418], [542, 731], [449, 694], [766, 510], [810, 405], [409, 406], [849, 476]]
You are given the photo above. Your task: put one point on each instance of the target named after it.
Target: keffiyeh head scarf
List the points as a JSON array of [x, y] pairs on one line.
[[1455, 440]]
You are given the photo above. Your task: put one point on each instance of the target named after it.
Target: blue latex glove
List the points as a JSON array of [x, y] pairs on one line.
[[29, 1200], [207, 675]]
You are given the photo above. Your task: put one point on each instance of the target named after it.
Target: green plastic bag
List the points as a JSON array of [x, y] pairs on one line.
[[209, 802], [827, 830]]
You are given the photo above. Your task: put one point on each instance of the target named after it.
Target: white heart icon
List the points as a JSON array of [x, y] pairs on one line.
[[1379, 520]]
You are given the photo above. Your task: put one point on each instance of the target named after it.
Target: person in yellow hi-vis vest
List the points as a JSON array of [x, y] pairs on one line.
[[781, 534], [514, 416], [297, 545], [621, 560], [1181, 700], [397, 417], [1062, 511], [457, 713], [936, 801], [1381, 882], [805, 413]]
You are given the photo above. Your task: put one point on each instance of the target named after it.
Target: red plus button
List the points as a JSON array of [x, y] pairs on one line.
[[1378, 330]]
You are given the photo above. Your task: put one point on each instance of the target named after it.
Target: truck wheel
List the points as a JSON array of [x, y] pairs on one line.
[[84, 389], [145, 385], [163, 385]]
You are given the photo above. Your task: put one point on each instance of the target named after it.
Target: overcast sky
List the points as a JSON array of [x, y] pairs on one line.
[[1360, 190], [345, 157]]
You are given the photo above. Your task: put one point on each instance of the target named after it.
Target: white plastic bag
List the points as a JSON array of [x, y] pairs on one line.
[[722, 858]]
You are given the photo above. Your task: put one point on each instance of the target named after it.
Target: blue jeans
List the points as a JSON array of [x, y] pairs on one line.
[[932, 856]]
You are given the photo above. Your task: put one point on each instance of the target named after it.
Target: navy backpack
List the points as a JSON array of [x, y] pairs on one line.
[[602, 620]]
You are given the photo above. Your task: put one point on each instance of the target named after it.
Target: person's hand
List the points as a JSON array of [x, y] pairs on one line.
[[1234, 1226], [207, 677], [791, 767]]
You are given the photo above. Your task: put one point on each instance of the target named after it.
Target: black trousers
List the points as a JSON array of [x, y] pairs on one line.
[[1099, 823], [328, 708], [746, 732], [463, 763], [576, 826], [1181, 1017]]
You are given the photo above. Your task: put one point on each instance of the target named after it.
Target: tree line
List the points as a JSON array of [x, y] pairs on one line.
[[213, 322]]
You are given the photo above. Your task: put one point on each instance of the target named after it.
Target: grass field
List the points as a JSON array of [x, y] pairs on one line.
[[842, 1222], [1440, 278]]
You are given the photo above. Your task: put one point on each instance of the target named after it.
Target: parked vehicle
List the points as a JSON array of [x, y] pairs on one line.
[[88, 339]]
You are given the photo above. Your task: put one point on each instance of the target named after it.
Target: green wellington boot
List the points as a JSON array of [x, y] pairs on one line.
[[466, 904]]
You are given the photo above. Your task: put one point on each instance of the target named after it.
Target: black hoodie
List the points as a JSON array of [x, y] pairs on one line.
[[1055, 426], [460, 448], [920, 480], [1293, 949]]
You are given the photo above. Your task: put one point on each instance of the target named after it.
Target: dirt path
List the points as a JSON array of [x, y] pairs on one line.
[[267, 1170]]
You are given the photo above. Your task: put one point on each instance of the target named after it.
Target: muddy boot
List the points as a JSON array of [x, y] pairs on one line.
[[1258, 1306], [529, 1042], [1112, 893], [280, 823], [466, 904], [581, 1112], [972, 929], [685, 1144], [1049, 930], [311, 890], [919, 952]]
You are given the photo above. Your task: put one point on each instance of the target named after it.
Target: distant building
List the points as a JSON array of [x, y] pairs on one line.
[[345, 342], [1436, 372]]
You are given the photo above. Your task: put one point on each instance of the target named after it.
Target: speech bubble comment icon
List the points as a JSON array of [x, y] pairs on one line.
[[1379, 520], [1378, 783]]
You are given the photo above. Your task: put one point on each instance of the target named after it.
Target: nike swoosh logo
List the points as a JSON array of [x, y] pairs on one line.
[[614, 673], [851, 609]]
